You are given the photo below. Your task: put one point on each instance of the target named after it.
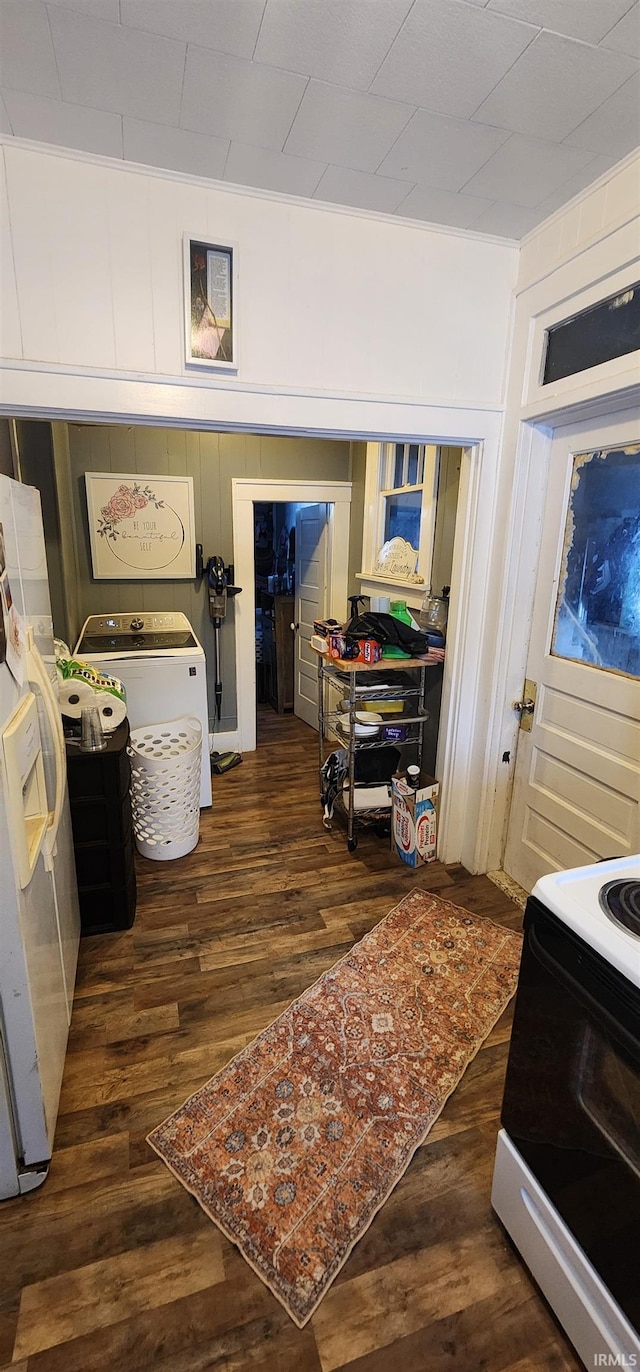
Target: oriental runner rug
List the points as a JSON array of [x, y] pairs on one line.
[[296, 1144]]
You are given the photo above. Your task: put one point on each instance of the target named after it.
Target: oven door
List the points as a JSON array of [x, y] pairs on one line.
[[572, 1096]]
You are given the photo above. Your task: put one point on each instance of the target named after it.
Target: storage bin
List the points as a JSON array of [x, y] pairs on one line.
[[102, 833], [165, 787]]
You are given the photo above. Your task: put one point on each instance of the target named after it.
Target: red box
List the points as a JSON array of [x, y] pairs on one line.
[[369, 651]]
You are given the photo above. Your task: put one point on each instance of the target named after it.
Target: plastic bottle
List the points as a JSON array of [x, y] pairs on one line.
[[398, 608]]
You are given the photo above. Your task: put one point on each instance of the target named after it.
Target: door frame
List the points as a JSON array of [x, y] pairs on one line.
[[531, 473], [325, 542], [470, 719], [245, 491], [553, 673]]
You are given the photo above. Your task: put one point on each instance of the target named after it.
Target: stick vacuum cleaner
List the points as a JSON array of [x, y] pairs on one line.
[[220, 582]]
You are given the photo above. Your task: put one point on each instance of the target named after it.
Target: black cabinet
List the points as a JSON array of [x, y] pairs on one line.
[[103, 833], [277, 650]]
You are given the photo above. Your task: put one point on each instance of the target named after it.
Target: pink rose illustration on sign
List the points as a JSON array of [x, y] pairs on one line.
[[124, 504]]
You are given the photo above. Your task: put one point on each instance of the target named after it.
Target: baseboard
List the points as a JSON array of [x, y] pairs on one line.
[[225, 742]]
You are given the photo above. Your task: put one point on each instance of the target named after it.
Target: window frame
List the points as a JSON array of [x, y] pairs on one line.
[[380, 472], [611, 377]]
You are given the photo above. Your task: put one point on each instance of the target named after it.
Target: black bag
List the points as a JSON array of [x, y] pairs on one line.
[[376, 766], [386, 629]]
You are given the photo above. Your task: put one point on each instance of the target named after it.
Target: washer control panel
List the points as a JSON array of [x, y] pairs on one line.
[[133, 623]]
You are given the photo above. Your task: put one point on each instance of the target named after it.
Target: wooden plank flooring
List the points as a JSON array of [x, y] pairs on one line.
[[112, 1266]]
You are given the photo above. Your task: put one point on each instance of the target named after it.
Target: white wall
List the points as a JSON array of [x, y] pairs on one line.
[[331, 302], [584, 252]]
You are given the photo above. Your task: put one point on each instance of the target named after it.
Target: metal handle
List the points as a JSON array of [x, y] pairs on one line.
[[524, 707], [37, 673]]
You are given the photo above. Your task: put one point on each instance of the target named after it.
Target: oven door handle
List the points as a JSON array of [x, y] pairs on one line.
[[599, 1012]]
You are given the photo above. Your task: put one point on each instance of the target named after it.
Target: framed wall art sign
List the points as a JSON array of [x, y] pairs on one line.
[[210, 288], [141, 527]]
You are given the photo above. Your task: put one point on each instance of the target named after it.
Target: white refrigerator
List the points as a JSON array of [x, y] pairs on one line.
[[39, 918]]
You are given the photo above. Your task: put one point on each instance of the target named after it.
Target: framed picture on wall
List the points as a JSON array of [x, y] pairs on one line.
[[141, 527], [210, 290]]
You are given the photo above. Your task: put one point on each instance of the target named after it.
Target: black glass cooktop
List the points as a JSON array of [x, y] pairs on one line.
[[136, 643], [620, 900]]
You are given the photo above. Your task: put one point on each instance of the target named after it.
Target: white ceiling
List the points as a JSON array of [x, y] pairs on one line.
[[483, 114]]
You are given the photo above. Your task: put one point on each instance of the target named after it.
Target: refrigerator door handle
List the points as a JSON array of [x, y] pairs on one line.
[[38, 675]]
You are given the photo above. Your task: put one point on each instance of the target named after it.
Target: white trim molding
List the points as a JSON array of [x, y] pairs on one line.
[[610, 378], [228, 742], [190, 179], [413, 592], [586, 252]]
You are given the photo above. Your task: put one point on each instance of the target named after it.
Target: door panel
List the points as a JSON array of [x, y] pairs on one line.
[[311, 579], [569, 786], [576, 795]]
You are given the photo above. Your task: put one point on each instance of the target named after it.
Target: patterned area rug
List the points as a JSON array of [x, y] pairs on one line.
[[298, 1141]]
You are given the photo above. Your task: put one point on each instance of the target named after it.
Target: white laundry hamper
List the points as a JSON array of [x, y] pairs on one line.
[[165, 787]]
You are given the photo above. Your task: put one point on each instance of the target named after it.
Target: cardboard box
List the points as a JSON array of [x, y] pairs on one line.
[[395, 733], [367, 652], [414, 820]]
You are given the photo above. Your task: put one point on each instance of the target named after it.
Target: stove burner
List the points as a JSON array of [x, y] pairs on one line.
[[620, 900]]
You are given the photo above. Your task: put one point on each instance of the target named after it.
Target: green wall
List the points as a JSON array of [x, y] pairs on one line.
[[212, 460]]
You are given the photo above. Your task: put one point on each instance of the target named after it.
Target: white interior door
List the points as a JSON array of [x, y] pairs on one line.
[[310, 602], [576, 794]]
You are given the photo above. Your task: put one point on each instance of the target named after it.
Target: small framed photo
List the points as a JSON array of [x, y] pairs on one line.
[[210, 291]]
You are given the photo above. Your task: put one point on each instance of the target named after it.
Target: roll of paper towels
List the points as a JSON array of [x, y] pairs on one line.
[[112, 709], [73, 694]]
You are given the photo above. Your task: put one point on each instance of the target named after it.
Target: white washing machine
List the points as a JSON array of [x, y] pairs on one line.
[[163, 668]]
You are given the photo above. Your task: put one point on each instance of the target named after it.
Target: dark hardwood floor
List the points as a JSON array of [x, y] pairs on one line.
[[112, 1266]]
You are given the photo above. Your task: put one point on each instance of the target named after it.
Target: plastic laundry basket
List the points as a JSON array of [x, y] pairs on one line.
[[165, 787]]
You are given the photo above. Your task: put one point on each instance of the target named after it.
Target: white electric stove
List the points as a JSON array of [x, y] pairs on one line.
[[601, 903], [162, 665], [567, 1174]]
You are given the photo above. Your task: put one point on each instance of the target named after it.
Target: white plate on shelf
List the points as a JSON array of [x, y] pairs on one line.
[[368, 797], [367, 724]]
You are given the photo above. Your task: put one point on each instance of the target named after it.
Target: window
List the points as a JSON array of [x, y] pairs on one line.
[[400, 502], [607, 330], [411, 492], [403, 472], [598, 610], [402, 517], [402, 475]]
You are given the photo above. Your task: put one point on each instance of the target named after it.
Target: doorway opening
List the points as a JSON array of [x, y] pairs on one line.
[[215, 458], [277, 552], [302, 531], [304, 557]]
